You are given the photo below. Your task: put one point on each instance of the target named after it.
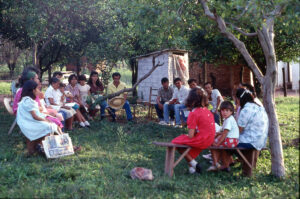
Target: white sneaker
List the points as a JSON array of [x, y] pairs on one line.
[[192, 170], [172, 123], [207, 156], [212, 168], [163, 123], [177, 126]]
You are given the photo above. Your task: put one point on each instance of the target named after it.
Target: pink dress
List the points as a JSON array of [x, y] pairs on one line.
[[202, 120]]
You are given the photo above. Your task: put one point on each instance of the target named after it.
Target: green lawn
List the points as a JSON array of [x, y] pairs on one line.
[[111, 150], [5, 88]]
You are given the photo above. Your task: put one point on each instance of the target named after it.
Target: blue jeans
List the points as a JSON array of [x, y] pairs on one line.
[[103, 106], [160, 113], [126, 106], [217, 118], [177, 109]]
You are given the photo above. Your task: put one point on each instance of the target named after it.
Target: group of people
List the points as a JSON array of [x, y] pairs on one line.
[[39, 114], [171, 101], [245, 125]]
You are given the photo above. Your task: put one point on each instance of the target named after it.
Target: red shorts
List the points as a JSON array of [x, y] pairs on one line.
[[230, 142]]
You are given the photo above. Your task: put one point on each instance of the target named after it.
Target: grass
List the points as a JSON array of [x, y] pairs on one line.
[[5, 88], [111, 150]]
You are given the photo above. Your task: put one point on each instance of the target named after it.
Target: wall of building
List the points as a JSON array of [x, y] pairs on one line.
[[225, 76], [294, 74], [154, 80]]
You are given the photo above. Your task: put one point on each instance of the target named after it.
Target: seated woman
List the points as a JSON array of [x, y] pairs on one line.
[[253, 121], [82, 122], [29, 73], [53, 98], [33, 124], [75, 97], [96, 88], [201, 127]]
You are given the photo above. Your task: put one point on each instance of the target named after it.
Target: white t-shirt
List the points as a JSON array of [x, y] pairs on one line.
[[214, 96], [55, 94], [231, 125], [84, 91], [181, 94]]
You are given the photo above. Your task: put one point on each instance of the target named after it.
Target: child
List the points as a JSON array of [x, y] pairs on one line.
[[201, 127], [31, 121], [82, 122], [52, 114], [84, 89], [228, 137]]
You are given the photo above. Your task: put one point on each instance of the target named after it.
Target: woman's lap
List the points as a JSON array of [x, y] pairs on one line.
[[245, 145]]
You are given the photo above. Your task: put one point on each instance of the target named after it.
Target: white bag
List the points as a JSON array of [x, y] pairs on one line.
[[56, 146]]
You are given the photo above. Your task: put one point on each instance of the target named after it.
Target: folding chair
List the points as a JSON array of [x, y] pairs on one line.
[[152, 100], [8, 105]]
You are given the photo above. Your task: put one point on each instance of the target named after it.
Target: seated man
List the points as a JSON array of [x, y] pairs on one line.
[[114, 87], [193, 83], [177, 103], [215, 99], [164, 94]]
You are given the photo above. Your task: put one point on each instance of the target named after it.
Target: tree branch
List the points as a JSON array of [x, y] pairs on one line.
[[241, 31], [245, 10], [207, 12]]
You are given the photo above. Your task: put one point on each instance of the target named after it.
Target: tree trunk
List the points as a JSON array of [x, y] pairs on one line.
[[11, 67], [274, 132], [34, 54], [49, 74], [134, 76]]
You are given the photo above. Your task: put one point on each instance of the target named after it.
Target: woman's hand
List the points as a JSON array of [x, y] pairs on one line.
[[215, 144], [191, 133]]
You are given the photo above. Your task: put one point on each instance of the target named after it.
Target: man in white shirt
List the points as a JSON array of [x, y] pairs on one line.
[[177, 103], [215, 99]]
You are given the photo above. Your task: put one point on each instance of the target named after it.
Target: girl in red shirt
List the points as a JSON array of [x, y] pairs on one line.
[[201, 128]]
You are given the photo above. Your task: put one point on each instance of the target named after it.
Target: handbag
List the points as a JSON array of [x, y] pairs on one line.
[[56, 146]]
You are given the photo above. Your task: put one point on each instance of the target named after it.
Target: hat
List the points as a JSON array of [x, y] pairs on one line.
[[116, 102]]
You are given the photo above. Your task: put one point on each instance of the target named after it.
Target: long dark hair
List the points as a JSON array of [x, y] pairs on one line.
[[28, 88], [245, 96], [98, 83], [197, 98]]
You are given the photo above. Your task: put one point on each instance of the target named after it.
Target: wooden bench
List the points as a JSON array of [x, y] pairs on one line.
[[248, 157]]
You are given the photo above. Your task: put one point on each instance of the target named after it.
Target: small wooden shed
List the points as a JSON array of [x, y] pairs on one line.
[[175, 64]]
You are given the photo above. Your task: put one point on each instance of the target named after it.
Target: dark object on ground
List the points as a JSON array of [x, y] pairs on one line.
[[198, 168]]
